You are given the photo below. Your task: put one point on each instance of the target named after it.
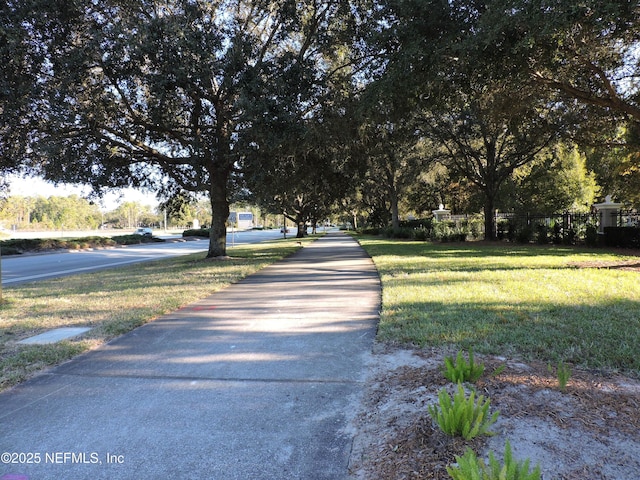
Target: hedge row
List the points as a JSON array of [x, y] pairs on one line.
[[17, 246], [625, 237]]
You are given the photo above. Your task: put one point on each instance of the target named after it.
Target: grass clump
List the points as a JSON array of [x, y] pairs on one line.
[[470, 467], [26, 360], [462, 416], [462, 370]]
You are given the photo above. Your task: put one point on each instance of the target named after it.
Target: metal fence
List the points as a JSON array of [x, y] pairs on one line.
[[560, 228], [628, 218], [568, 228]]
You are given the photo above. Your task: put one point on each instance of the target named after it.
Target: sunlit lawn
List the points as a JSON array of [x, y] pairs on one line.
[[528, 302], [113, 302]]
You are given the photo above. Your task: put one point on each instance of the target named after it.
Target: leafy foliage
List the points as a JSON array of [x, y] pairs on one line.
[[582, 49], [54, 212], [197, 232], [557, 181], [166, 94], [487, 130], [462, 370], [470, 467], [462, 416]]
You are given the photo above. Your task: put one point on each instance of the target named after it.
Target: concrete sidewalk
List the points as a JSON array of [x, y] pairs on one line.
[[258, 381]]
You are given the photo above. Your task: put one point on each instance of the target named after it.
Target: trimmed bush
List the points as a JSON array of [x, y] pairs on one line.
[[625, 237], [135, 239], [591, 236], [197, 232], [17, 246]]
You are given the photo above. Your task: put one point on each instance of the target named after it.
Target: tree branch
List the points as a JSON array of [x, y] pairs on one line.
[[613, 102]]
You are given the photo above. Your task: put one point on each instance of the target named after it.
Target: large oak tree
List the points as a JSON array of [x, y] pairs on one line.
[[159, 93]]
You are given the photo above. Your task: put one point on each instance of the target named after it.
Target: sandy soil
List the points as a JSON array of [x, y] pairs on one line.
[[590, 431]]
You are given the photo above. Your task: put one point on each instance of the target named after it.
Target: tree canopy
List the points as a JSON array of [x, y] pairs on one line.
[[315, 104], [586, 50], [160, 93]]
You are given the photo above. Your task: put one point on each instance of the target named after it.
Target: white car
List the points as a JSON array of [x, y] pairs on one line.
[[145, 232]]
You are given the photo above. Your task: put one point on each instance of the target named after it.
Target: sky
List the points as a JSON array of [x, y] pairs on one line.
[[35, 186]]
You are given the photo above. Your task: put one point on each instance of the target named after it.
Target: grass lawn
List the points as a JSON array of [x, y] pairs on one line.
[[114, 301], [526, 302]]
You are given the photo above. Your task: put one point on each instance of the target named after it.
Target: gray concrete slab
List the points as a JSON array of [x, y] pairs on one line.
[[258, 381], [55, 335]]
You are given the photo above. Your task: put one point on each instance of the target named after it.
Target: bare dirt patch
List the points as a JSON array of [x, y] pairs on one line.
[[589, 431], [632, 264]]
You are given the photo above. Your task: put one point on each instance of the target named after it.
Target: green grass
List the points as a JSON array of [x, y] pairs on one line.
[[522, 301], [113, 302]]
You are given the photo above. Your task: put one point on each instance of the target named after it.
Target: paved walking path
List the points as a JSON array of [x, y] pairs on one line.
[[258, 381]]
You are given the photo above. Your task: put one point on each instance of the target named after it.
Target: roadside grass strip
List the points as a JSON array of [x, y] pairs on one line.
[[527, 302], [113, 302]]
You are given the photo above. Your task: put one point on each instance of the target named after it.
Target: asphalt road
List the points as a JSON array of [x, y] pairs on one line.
[[29, 268]]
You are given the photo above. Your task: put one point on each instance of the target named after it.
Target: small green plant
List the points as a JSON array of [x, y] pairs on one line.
[[499, 369], [461, 370], [462, 416], [563, 373], [469, 467]]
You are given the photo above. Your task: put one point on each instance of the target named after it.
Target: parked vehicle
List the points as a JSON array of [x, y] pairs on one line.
[[145, 232]]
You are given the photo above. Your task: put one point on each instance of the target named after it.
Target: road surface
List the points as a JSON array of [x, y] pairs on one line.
[[29, 268]]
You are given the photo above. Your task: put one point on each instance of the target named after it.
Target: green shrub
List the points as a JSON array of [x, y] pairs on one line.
[[591, 236], [503, 226], [421, 234], [524, 234], [570, 236], [462, 370], [462, 416], [20, 245], [402, 232], [475, 226], [134, 239], [99, 241], [443, 231], [405, 233], [542, 234], [9, 250], [625, 237], [196, 232], [469, 467], [418, 223]]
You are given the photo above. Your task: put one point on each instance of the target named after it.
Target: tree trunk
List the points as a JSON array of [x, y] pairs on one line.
[[489, 219], [219, 217], [395, 214], [302, 228]]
